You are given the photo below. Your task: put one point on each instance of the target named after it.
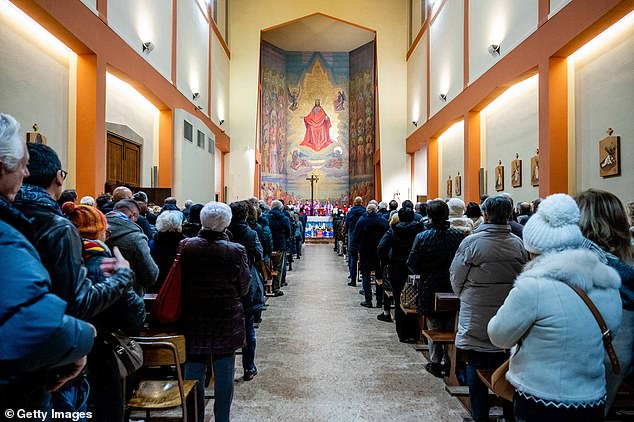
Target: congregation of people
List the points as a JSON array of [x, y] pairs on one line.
[[76, 270], [514, 270]]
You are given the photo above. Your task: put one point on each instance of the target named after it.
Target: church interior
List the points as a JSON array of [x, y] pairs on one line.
[[316, 103]]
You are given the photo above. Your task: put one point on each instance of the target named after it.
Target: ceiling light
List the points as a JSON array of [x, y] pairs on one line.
[[443, 97], [148, 47], [494, 49]]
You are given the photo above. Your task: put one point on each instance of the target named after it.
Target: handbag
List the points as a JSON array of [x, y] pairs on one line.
[[504, 389], [409, 295], [169, 301], [127, 353]]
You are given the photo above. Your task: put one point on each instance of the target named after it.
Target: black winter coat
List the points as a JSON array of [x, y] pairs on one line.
[[395, 247], [60, 247], [163, 249], [431, 256], [241, 233], [367, 234], [215, 276], [352, 217], [280, 227]]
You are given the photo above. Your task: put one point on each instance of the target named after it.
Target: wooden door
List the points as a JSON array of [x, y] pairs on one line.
[[123, 162]]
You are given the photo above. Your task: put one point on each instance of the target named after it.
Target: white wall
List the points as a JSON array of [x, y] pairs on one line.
[[219, 84], [510, 126], [503, 22], [217, 171], [603, 90], [139, 21], [451, 159], [221, 15], [416, 16], [125, 106], [192, 52], [420, 173], [247, 18], [91, 4], [417, 86], [446, 55], [556, 6], [34, 81]]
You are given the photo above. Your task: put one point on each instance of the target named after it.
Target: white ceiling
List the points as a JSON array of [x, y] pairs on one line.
[[318, 33]]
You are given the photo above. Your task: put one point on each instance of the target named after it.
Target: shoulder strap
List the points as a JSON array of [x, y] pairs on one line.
[[607, 334]]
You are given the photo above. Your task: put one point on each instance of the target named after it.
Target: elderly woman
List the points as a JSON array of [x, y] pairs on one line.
[[215, 277], [36, 334], [164, 246], [556, 365]]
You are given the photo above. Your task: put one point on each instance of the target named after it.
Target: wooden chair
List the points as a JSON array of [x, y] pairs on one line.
[[163, 394]]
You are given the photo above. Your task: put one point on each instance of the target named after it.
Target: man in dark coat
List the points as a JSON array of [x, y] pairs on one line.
[[430, 257], [368, 233], [280, 230], [350, 224]]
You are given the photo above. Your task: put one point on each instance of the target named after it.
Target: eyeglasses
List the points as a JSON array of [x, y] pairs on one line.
[[64, 174]]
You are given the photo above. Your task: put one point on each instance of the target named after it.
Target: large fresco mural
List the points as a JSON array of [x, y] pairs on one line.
[[317, 118], [362, 128]]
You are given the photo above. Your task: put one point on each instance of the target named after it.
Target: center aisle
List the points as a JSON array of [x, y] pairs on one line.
[[322, 357]]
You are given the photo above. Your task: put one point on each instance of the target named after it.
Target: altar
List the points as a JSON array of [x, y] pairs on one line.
[[319, 227]]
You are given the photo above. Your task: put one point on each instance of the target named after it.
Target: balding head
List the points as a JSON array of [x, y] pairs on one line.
[[372, 209], [358, 200], [121, 193]]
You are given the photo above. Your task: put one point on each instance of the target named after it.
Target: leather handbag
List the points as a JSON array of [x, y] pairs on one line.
[[502, 388], [169, 301], [127, 353], [409, 295]]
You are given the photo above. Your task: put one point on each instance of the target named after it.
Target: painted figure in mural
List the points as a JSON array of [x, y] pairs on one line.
[[336, 160], [318, 124], [360, 154], [339, 102], [297, 160], [265, 152], [293, 98], [353, 159], [369, 155]]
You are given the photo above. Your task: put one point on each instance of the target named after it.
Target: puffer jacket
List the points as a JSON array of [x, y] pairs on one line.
[[163, 249], [36, 334], [241, 233], [60, 247], [133, 244], [215, 276], [462, 224], [350, 224], [395, 247], [482, 274], [367, 234], [280, 227], [559, 352], [128, 313], [430, 257]]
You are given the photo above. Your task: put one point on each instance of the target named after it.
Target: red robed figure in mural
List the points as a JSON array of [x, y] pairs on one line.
[[317, 123]]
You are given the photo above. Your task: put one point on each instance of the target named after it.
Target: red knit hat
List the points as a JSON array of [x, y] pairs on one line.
[[89, 220]]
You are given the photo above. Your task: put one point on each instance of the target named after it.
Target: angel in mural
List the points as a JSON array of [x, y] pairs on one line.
[[293, 98], [318, 124], [336, 159], [339, 102], [298, 160]]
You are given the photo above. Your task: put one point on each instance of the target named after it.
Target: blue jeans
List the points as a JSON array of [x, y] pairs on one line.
[[478, 392], [248, 352], [353, 256], [224, 368]]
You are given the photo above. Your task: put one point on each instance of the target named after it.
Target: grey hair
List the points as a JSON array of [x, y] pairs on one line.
[[12, 148], [498, 209], [382, 205], [189, 203], [169, 221], [371, 209], [277, 205], [215, 216], [87, 200], [373, 201]]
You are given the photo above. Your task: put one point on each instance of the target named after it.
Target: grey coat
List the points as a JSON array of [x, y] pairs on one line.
[[133, 244], [482, 274]]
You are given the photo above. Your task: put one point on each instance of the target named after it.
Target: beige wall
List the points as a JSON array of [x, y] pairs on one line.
[[219, 84], [451, 159], [248, 17], [417, 86], [420, 173], [603, 98]]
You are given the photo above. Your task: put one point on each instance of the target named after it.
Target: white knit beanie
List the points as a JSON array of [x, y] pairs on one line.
[[456, 207], [215, 216], [554, 227]]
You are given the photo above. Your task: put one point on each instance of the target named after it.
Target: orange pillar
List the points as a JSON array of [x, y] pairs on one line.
[[471, 177], [553, 126], [166, 149], [432, 168], [91, 125]]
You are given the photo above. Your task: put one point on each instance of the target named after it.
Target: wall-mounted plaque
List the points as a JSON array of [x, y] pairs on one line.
[[610, 155], [516, 172], [499, 177]]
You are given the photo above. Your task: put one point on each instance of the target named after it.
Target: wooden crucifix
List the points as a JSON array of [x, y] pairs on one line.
[[313, 179]]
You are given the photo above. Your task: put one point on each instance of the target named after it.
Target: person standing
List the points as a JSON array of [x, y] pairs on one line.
[[215, 276], [280, 230], [482, 274], [350, 223], [164, 246], [430, 257], [368, 233]]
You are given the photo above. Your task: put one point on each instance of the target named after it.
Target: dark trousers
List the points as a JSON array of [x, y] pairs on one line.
[[223, 367], [298, 246], [248, 352], [478, 392], [527, 410], [366, 269]]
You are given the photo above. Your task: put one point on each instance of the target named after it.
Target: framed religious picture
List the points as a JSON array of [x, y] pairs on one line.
[[610, 155], [535, 169], [458, 184], [516, 172], [449, 187], [35, 137], [499, 176]]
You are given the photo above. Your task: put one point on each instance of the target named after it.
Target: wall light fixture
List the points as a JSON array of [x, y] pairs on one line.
[[494, 49], [221, 122], [199, 107], [415, 123], [196, 96], [148, 47], [443, 97]]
